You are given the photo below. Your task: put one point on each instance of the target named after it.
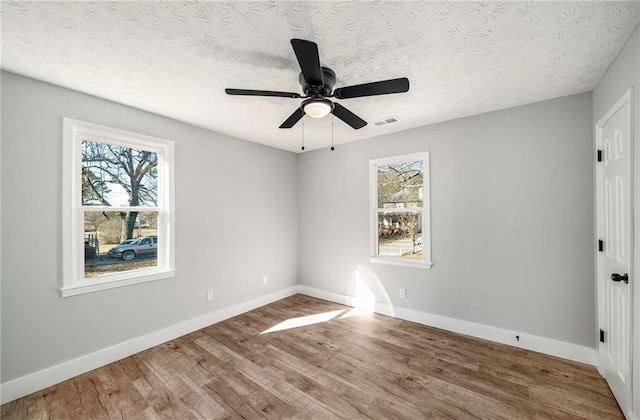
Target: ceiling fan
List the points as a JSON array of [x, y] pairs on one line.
[[317, 84]]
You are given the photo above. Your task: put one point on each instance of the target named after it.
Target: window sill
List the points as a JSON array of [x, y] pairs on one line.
[[87, 286], [401, 262]]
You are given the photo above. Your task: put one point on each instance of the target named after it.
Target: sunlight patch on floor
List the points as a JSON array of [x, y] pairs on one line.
[[364, 285], [357, 312], [304, 321]]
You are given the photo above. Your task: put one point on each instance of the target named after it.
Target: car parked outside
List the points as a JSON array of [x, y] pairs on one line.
[[141, 247]]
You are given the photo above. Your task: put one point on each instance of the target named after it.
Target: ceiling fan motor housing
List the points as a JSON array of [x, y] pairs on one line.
[[328, 80], [317, 84]]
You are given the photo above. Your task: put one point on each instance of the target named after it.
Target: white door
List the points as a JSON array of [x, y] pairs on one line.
[[613, 179]]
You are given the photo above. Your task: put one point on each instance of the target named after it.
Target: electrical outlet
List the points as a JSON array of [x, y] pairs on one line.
[[265, 280], [403, 293], [209, 294]]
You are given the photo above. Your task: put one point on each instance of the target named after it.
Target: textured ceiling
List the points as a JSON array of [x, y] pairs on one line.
[[175, 58]]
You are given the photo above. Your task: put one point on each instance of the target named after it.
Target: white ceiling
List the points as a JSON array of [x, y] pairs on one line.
[[176, 58]]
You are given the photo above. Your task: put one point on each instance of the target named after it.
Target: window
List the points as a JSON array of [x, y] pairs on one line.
[[118, 219], [399, 197]]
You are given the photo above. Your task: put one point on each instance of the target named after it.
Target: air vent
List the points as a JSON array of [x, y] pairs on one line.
[[385, 121]]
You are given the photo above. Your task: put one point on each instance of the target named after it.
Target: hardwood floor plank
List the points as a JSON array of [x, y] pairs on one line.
[[326, 361], [237, 390], [270, 402], [569, 402], [315, 389]]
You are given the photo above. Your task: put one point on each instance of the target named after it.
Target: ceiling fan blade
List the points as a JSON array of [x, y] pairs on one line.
[[371, 89], [293, 119], [251, 92], [309, 60], [347, 116]]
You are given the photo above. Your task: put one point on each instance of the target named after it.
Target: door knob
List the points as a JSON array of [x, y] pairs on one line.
[[617, 277]]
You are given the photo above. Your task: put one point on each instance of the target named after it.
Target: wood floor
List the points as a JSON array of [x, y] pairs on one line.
[[343, 366]]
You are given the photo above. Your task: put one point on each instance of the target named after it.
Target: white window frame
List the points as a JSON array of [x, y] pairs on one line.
[[374, 257], [73, 280]]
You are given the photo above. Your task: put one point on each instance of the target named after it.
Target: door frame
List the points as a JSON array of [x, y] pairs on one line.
[[600, 275]]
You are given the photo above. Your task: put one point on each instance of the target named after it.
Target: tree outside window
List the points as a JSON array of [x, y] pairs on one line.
[[400, 204], [118, 218]]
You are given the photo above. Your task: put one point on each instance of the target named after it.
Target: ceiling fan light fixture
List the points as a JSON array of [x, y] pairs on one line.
[[317, 107], [317, 84]]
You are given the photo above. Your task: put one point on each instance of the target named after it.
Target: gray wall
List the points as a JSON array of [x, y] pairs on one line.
[[512, 220], [512, 211], [623, 74], [236, 220]]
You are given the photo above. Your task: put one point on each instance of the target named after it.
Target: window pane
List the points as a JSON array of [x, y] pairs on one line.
[[400, 185], [117, 241], [400, 234], [118, 176]]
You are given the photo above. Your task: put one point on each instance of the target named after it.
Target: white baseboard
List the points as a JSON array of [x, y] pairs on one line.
[[36, 381], [530, 342]]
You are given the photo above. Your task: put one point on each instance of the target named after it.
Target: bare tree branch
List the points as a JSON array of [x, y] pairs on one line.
[[132, 170]]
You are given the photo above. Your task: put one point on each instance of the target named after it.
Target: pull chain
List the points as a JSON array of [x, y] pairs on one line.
[[303, 132], [332, 148]]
